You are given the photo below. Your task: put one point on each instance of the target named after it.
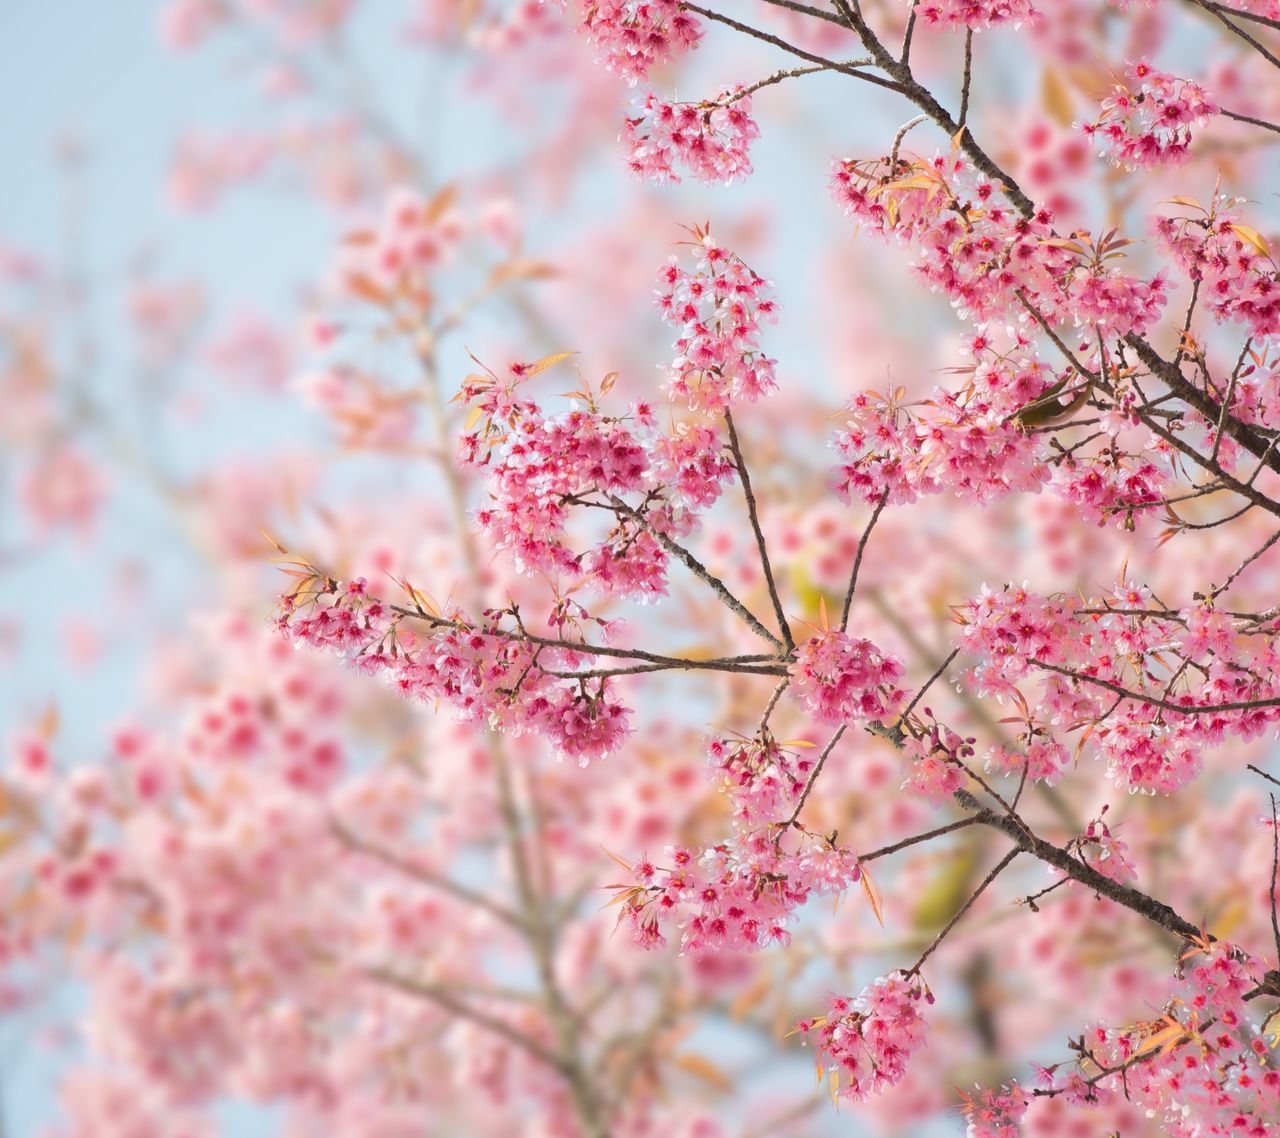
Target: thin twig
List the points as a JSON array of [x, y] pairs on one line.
[[1126, 895], [789, 73], [999, 868], [420, 873], [902, 133], [1156, 701], [773, 702], [1258, 770], [1275, 866], [700, 571], [444, 998], [1257, 19], [885, 851], [1245, 564], [929, 682], [813, 778], [790, 49], [761, 546], [905, 55], [857, 561], [1219, 12], [1226, 114]]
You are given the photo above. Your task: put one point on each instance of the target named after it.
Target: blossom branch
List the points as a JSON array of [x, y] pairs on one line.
[[791, 49], [1157, 701], [1125, 895], [700, 571]]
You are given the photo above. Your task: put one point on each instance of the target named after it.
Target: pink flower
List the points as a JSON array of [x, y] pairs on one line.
[[718, 310], [1147, 119], [976, 14], [710, 139], [585, 727], [841, 679], [865, 1042], [637, 35]]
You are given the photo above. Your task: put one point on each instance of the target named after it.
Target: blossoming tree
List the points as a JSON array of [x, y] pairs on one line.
[[995, 674]]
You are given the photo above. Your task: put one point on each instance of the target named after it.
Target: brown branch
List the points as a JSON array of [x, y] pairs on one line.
[[1275, 867], [790, 49], [999, 868], [443, 997], [420, 873], [716, 664], [1223, 8], [813, 778], [753, 514], [1226, 114], [857, 561], [700, 571], [930, 682], [1218, 11], [1245, 565], [1156, 701], [885, 851], [1125, 895]]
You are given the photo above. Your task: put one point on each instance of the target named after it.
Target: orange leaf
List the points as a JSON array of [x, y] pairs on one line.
[[1057, 98], [704, 1069], [1253, 237], [625, 864], [363, 287], [439, 205], [874, 897], [547, 361]]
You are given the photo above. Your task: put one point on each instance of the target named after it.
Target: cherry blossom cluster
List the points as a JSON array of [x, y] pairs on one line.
[[1113, 484], [542, 469], [1148, 118], [540, 465], [968, 441], [414, 235], [996, 1112], [937, 757], [990, 260], [1267, 9], [1202, 1068], [635, 36], [844, 679], [762, 778], [740, 895], [1231, 263], [1155, 687], [863, 1044], [976, 14], [490, 674], [710, 139], [718, 309], [1106, 852]]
